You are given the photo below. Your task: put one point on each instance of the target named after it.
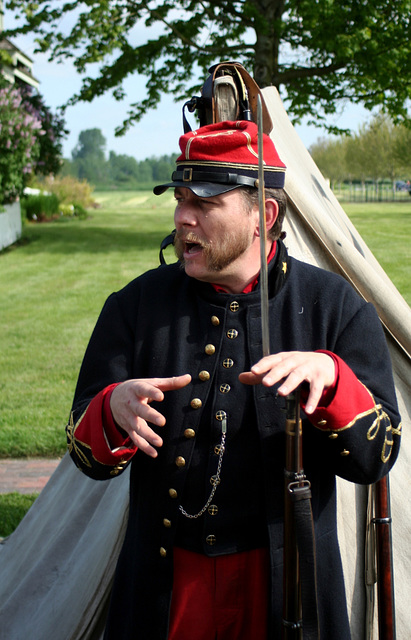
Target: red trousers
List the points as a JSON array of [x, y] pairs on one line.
[[222, 598]]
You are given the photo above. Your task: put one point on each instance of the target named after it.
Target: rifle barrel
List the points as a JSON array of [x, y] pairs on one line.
[[385, 569]]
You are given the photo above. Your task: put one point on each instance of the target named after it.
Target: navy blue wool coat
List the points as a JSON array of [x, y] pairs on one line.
[[160, 325]]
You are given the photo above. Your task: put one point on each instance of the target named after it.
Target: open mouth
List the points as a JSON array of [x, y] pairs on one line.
[[192, 247]]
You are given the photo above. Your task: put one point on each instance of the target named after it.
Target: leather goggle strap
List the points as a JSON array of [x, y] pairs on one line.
[[248, 91], [169, 240]]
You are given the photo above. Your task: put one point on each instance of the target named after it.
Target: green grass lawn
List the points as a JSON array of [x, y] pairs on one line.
[[386, 228], [53, 285], [13, 507]]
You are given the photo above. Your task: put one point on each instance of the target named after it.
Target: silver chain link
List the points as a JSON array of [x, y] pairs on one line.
[[216, 477]]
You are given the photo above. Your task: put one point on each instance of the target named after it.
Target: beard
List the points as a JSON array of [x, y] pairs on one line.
[[219, 254]]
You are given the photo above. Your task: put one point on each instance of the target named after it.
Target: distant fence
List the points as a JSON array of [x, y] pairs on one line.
[[372, 192]]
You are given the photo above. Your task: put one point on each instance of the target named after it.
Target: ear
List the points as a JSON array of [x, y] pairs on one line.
[[271, 213]]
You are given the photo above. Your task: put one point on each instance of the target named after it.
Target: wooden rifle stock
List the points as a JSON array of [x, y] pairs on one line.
[[385, 569]]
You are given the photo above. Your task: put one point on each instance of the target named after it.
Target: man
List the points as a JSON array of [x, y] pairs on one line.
[[173, 381]]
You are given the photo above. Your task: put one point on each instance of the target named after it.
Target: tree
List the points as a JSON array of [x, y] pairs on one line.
[[122, 168], [163, 168], [88, 156], [89, 163], [319, 53], [91, 143], [380, 150], [372, 150], [330, 157], [402, 149]]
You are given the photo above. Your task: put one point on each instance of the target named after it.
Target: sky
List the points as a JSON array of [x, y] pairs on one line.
[[158, 131]]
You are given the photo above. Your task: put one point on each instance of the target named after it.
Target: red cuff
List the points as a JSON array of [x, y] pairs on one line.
[[115, 435], [98, 430], [343, 402]]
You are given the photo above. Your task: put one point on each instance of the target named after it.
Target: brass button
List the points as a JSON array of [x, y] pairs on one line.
[[234, 306], [333, 436], [214, 481], [217, 449], [215, 321], [163, 552], [211, 540], [167, 523], [322, 423], [189, 433], [345, 452], [232, 334], [220, 415], [213, 509], [180, 462], [172, 493], [209, 349], [196, 403], [228, 363], [225, 388], [204, 376]]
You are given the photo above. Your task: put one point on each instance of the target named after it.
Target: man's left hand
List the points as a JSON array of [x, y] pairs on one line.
[[293, 368]]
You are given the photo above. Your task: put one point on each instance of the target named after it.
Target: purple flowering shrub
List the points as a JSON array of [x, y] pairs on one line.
[[20, 129]]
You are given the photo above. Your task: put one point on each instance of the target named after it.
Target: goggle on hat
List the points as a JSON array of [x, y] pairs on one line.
[[223, 156]]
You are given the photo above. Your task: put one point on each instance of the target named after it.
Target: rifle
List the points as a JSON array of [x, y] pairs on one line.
[[385, 569], [299, 591], [300, 615], [292, 610]]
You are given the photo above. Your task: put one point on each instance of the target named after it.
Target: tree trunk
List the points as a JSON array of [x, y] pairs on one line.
[[268, 42]]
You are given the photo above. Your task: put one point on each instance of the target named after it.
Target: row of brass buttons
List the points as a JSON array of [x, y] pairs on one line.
[[220, 415], [196, 403]]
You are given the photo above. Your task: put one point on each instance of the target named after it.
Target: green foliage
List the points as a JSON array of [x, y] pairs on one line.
[[119, 170], [320, 53], [88, 156], [13, 507], [59, 196], [69, 190], [30, 138], [380, 150], [122, 168], [19, 147], [40, 207], [53, 130]]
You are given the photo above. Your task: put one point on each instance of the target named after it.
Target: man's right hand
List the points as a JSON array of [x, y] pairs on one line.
[[130, 406]]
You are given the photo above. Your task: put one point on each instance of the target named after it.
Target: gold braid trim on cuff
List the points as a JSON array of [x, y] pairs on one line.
[[72, 441], [73, 445]]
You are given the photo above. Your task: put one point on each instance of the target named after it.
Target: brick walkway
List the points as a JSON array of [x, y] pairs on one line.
[[25, 476]]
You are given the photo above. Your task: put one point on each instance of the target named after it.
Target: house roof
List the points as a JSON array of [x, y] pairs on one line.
[[21, 64]]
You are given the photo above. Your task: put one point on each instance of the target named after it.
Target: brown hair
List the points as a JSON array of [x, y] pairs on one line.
[[250, 195]]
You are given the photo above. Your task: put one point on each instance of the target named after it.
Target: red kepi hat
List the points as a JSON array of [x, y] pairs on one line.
[[224, 156]]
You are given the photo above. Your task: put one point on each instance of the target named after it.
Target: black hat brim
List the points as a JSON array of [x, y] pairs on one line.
[[200, 189]]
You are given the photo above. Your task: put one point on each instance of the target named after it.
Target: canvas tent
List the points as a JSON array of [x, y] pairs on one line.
[[56, 568]]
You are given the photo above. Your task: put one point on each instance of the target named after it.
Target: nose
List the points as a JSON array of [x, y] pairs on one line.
[[184, 214]]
